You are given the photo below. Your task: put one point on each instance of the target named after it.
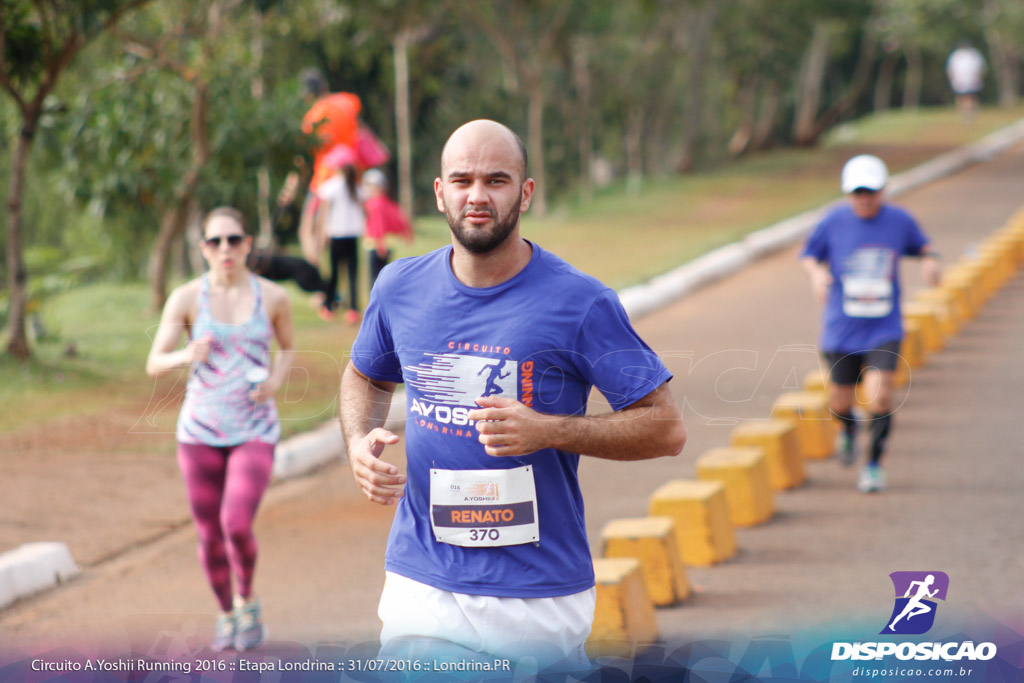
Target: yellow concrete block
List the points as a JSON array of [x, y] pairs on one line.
[[928, 317], [815, 428], [653, 541], [624, 618], [973, 272], [1013, 242], [959, 293], [816, 380], [704, 532], [968, 285], [951, 317], [987, 273], [1000, 261], [912, 353], [745, 474], [1004, 255], [780, 443]]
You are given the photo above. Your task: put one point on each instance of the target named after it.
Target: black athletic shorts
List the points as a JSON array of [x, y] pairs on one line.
[[846, 368]]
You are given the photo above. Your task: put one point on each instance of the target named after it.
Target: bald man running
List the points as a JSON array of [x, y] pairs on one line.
[[488, 552]]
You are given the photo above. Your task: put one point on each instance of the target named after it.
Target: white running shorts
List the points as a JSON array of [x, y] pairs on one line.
[[546, 629]]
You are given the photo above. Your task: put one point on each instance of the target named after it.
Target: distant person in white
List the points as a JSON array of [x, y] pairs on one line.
[[965, 68], [915, 606]]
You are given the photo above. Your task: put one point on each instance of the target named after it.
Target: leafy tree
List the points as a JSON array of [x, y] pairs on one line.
[[193, 138], [38, 41]]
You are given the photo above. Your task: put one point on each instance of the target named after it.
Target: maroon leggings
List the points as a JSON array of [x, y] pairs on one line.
[[224, 486]]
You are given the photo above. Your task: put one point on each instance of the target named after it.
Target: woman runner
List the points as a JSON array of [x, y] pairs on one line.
[[228, 425]]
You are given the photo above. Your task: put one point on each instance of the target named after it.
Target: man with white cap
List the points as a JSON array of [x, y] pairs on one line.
[[852, 258]]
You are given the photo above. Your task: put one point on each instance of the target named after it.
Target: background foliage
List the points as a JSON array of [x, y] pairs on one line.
[[619, 91]]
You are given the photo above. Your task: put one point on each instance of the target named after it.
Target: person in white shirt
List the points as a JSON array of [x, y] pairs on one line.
[[965, 68], [344, 222]]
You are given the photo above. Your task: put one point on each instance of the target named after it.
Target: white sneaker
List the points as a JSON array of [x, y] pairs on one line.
[[872, 479], [224, 633], [249, 631]]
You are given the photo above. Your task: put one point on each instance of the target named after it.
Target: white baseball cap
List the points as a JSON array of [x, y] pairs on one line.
[[865, 170]]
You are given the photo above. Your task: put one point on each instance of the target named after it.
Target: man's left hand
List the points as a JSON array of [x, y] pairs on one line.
[[507, 427]]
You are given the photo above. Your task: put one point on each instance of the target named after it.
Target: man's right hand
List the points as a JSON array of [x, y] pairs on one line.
[[378, 480], [821, 284]]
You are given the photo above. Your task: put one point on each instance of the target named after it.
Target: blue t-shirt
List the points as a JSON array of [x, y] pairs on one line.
[[863, 309], [544, 337]]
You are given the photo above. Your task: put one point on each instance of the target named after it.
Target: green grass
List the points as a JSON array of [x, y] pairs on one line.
[[618, 238]]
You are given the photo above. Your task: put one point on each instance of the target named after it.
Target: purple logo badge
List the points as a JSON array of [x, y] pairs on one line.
[[916, 593]]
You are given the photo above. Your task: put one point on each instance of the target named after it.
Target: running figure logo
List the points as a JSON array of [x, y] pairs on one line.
[[458, 380], [914, 612], [494, 373]]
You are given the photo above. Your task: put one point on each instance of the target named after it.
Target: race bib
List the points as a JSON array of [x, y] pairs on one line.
[[484, 508], [867, 297]]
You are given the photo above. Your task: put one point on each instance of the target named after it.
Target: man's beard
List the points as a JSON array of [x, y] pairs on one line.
[[480, 241]]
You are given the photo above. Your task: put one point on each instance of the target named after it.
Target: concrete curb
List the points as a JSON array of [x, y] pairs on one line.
[[324, 443], [32, 568]]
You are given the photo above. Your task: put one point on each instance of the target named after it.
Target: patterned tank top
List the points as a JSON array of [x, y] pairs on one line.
[[217, 410]]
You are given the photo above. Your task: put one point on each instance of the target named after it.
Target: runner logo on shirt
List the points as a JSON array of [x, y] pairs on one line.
[[448, 385]]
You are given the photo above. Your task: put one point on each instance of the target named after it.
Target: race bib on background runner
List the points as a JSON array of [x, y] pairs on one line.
[[867, 297], [484, 508]]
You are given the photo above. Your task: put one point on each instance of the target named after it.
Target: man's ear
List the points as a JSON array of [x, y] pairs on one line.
[[524, 202], [438, 194]]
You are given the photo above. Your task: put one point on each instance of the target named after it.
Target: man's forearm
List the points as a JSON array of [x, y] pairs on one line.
[[364, 404], [639, 432]]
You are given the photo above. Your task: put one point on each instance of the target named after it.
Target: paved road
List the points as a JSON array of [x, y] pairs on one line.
[[954, 500]]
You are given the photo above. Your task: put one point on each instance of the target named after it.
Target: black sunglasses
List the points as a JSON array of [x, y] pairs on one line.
[[861, 191], [233, 241]]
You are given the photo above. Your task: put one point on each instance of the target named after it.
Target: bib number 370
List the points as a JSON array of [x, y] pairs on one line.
[[484, 508]]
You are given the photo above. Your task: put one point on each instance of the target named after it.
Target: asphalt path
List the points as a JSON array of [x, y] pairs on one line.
[[953, 502]]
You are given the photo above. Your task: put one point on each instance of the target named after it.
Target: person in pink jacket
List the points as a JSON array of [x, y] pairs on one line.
[[384, 221]]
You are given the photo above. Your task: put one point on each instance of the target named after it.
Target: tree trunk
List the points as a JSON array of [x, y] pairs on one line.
[[1007, 71], [17, 345], [403, 127], [634, 158], [1002, 48], [842, 106], [585, 135], [767, 116], [175, 217], [915, 75], [172, 225], [265, 235], [193, 235], [535, 95], [812, 75], [700, 38], [739, 143], [883, 84]]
